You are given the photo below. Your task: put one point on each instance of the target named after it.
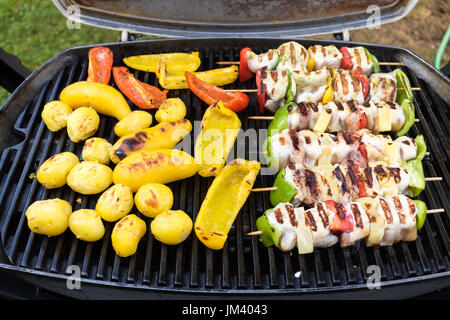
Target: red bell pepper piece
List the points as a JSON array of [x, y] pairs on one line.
[[363, 151], [209, 93], [346, 62], [100, 64], [362, 121], [342, 221], [358, 73], [261, 94], [141, 94], [244, 71], [362, 191]]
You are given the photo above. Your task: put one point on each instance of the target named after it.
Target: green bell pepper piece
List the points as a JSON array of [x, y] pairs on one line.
[[408, 111], [421, 214], [374, 60], [403, 83], [284, 192], [280, 119], [417, 177], [270, 235], [289, 92], [421, 147]]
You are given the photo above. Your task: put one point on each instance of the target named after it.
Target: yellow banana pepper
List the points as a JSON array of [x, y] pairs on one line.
[[220, 127], [174, 81], [177, 62], [328, 96], [223, 201]]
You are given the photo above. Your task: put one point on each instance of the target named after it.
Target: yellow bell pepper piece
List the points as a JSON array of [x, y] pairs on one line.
[[223, 201], [328, 96], [177, 62], [217, 77], [311, 62], [220, 127]]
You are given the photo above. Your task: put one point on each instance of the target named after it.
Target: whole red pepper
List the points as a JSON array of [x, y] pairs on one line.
[[342, 221], [261, 94], [346, 62], [209, 94], [244, 71]]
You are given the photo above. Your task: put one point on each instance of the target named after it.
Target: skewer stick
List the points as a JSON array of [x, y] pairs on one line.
[[256, 90], [380, 63], [275, 188], [431, 211], [271, 118]]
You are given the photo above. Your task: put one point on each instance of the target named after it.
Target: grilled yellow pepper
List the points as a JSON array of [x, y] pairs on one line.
[[177, 62], [220, 127], [329, 93], [164, 135], [174, 81], [223, 201]]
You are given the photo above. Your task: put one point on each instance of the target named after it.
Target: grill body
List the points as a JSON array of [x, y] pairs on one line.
[[244, 268]]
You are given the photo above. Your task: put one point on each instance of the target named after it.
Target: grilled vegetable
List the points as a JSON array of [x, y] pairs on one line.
[[415, 168], [126, 235], [358, 73], [284, 192], [153, 198], [97, 149], [82, 123], [53, 172], [115, 203], [157, 166], [177, 62], [172, 109], [86, 225], [220, 127], [141, 94], [408, 111], [55, 115], [171, 227], [404, 91], [164, 135], [134, 121], [210, 94], [421, 213], [223, 201], [100, 64], [374, 60], [49, 217], [244, 71], [89, 177], [346, 62], [217, 77], [103, 98]]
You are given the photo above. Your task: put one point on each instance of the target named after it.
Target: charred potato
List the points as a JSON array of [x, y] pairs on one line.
[[86, 225], [49, 217], [171, 109], [53, 172], [55, 115], [153, 198], [82, 124], [115, 203], [126, 235], [97, 149], [171, 227], [89, 177], [134, 121]]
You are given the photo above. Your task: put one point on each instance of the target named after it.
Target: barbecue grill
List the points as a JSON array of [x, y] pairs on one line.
[[244, 268]]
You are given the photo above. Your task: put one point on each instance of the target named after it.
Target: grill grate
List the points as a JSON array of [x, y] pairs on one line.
[[244, 265]]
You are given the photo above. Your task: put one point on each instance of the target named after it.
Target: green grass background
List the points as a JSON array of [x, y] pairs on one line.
[[35, 31]]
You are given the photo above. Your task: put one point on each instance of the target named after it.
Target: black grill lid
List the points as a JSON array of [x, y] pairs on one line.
[[234, 18]]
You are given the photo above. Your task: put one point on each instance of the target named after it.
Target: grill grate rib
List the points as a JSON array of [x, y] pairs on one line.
[[244, 265]]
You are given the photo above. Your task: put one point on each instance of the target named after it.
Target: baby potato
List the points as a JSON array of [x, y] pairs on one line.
[[126, 235], [55, 114], [171, 227], [134, 121], [153, 198], [171, 109], [86, 225], [49, 217], [82, 124], [53, 172], [89, 177], [115, 203], [97, 149]]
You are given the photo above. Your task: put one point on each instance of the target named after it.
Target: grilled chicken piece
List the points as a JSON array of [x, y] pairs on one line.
[[282, 146], [346, 87], [376, 219], [360, 58], [268, 60], [325, 57], [361, 225], [319, 219], [407, 148], [383, 87], [311, 86], [275, 86], [293, 57], [392, 180]]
